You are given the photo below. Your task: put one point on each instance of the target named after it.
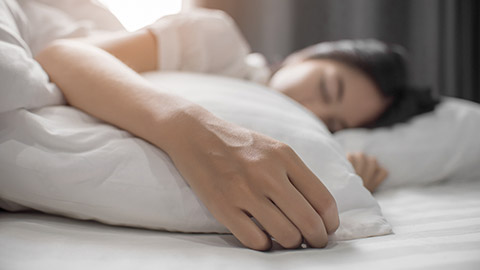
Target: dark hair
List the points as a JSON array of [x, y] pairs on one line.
[[385, 65]]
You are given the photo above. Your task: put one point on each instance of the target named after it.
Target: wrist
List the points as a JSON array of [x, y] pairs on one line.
[[175, 130]]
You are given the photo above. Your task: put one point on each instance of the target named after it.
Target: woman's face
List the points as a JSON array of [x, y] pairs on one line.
[[341, 96]]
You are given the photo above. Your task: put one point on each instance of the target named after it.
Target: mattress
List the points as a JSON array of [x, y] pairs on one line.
[[435, 227]]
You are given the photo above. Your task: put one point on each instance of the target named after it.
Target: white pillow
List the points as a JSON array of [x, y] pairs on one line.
[[52, 19], [24, 84], [435, 146], [93, 11], [60, 160]]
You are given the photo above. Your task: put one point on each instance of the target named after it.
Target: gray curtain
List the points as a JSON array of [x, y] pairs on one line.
[[441, 36]]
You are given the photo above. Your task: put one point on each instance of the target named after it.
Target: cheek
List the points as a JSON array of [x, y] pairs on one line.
[[362, 109]]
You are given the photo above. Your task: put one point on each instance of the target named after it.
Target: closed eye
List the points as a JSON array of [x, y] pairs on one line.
[[326, 94], [341, 88], [323, 89]]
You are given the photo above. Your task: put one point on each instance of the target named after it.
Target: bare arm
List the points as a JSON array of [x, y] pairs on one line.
[[138, 50], [102, 85], [237, 173]]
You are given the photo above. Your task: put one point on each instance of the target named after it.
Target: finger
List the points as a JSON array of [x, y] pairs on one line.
[[379, 177], [351, 158], [369, 184], [360, 162], [313, 190], [301, 213], [246, 231], [277, 224], [371, 166]]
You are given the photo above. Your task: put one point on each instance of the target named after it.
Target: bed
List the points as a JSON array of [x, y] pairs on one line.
[[435, 227], [433, 210]]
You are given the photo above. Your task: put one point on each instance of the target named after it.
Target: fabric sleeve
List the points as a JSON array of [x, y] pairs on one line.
[[203, 40]]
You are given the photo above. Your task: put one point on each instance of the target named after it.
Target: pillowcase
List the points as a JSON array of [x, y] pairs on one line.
[[52, 19], [60, 160], [24, 84], [93, 11], [25, 28], [435, 146]]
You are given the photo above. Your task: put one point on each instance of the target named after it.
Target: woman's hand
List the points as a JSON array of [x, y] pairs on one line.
[[238, 173], [368, 169]]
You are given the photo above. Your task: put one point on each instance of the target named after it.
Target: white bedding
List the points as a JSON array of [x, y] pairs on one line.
[[436, 227], [59, 160], [71, 164]]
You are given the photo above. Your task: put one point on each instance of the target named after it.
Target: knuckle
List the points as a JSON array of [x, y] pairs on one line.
[[331, 212], [285, 148], [245, 193], [291, 240], [322, 243], [240, 193], [382, 177], [360, 155], [329, 204], [311, 227], [259, 243], [273, 187]]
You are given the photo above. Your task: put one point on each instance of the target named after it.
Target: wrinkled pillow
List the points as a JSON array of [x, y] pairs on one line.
[[52, 19], [63, 161], [432, 147], [24, 84]]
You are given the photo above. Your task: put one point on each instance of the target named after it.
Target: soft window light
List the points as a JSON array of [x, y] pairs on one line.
[[135, 14]]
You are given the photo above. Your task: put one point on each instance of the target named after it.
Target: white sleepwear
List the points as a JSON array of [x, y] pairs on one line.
[[206, 41]]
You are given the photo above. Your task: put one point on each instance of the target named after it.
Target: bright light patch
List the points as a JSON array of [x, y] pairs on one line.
[[135, 14]]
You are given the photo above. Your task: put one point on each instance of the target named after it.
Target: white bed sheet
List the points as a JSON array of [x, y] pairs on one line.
[[436, 227]]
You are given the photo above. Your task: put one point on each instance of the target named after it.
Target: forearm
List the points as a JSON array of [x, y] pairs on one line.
[[101, 85], [138, 50]]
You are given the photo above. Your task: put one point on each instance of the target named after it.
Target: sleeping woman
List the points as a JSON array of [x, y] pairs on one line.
[[232, 169], [354, 84], [346, 84]]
